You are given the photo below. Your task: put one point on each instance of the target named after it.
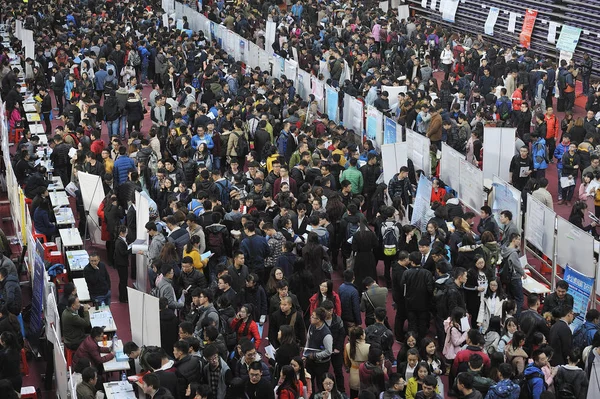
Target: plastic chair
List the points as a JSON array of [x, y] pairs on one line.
[[41, 237], [69, 356], [14, 135], [24, 364]]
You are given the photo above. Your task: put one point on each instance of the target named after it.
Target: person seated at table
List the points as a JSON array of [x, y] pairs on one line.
[[42, 223], [90, 349], [97, 279], [10, 323], [36, 183], [78, 368], [69, 289], [74, 326], [86, 389], [43, 196]]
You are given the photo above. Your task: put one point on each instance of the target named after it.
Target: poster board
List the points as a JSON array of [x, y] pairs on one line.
[[418, 151], [422, 204], [390, 130], [581, 287], [291, 71], [539, 226], [374, 126], [92, 193], [388, 162], [353, 115], [498, 151], [506, 198], [470, 190], [60, 369], [393, 92], [450, 166], [52, 319], [574, 247], [318, 90], [332, 103], [144, 315], [401, 155], [303, 87]]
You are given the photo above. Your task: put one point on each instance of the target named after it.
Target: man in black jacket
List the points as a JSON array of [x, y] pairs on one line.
[[188, 368], [558, 298], [58, 87], [286, 315], [97, 279], [46, 108], [417, 286], [338, 333], [400, 189], [256, 386], [60, 159], [454, 293], [531, 322], [121, 262], [398, 270], [560, 337]]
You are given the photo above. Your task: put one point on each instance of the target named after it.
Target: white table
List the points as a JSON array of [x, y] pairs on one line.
[[70, 238], [103, 318], [533, 286], [29, 107], [118, 389], [32, 116], [78, 259], [59, 198], [56, 184], [38, 129], [64, 217], [82, 289]]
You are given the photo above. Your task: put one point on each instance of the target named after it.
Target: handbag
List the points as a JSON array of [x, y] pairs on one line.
[[350, 262], [326, 267]]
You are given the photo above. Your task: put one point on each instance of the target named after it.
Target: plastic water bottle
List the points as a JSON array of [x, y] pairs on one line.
[[102, 306], [115, 340], [123, 376]]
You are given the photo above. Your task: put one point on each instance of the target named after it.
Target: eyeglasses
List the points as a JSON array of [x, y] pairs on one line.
[[254, 376], [328, 383]]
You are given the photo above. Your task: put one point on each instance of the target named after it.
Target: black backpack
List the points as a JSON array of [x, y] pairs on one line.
[[506, 271], [524, 385], [241, 148], [229, 334], [580, 339], [504, 110], [351, 229]]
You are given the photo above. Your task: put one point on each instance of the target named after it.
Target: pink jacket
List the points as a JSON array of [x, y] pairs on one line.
[[454, 340]]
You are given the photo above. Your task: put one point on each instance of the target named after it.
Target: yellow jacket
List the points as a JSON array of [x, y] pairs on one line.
[[412, 387], [195, 255]]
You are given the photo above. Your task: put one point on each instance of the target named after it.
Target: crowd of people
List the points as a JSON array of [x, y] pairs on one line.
[[256, 200]]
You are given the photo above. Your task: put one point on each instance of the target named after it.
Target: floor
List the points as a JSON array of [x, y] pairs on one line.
[[121, 311]]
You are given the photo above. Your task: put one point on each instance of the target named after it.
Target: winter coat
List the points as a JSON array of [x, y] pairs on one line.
[[337, 306], [361, 356], [485, 310], [454, 340], [504, 389], [134, 110]]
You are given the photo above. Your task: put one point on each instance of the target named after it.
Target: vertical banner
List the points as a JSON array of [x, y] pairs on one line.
[[448, 9], [421, 205], [270, 33], [37, 299], [303, 89], [490, 22], [332, 104], [568, 39], [403, 12], [291, 71], [389, 131], [512, 21], [353, 114], [374, 126], [580, 286], [528, 23], [318, 89]]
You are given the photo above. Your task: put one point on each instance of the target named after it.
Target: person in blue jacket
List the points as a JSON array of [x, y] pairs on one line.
[[534, 376], [538, 153], [202, 137], [561, 149]]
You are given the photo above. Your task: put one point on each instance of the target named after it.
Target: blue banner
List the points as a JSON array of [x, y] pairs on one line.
[[581, 287], [371, 127], [389, 132], [332, 104], [37, 298]]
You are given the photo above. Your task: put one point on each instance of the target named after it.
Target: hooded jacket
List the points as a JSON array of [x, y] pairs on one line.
[[504, 389], [513, 257], [535, 380], [11, 294], [122, 96]]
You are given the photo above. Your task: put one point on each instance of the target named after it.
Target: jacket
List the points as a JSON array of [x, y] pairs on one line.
[[574, 377], [314, 303], [98, 280], [454, 340], [532, 322], [256, 250], [418, 288], [74, 327], [224, 378], [538, 153], [504, 389], [166, 290], [552, 302], [434, 130], [123, 164], [11, 294], [370, 174], [89, 349], [278, 318], [513, 257], [485, 310], [535, 380], [489, 224], [355, 177], [85, 391], [400, 188], [561, 340], [463, 357], [508, 230], [350, 303], [187, 367]]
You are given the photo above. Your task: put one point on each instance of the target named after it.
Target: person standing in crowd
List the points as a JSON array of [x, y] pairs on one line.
[[121, 262]]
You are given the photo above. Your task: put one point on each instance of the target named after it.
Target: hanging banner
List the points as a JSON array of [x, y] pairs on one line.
[[448, 9], [403, 12], [512, 21], [580, 286], [433, 4], [318, 89], [568, 39], [528, 23], [332, 104], [552, 31], [389, 131], [490, 22], [291, 71], [422, 204]]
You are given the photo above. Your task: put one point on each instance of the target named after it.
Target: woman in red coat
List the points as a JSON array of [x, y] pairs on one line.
[[437, 193], [244, 326], [326, 292], [289, 386]]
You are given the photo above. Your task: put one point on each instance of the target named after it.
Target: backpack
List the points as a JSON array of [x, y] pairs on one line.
[[506, 271], [562, 80], [351, 229], [566, 391], [229, 334], [214, 241], [135, 58], [241, 148], [224, 187], [440, 298], [504, 110], [580, 339], [380, 335], [524, 385], [389, 234]]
